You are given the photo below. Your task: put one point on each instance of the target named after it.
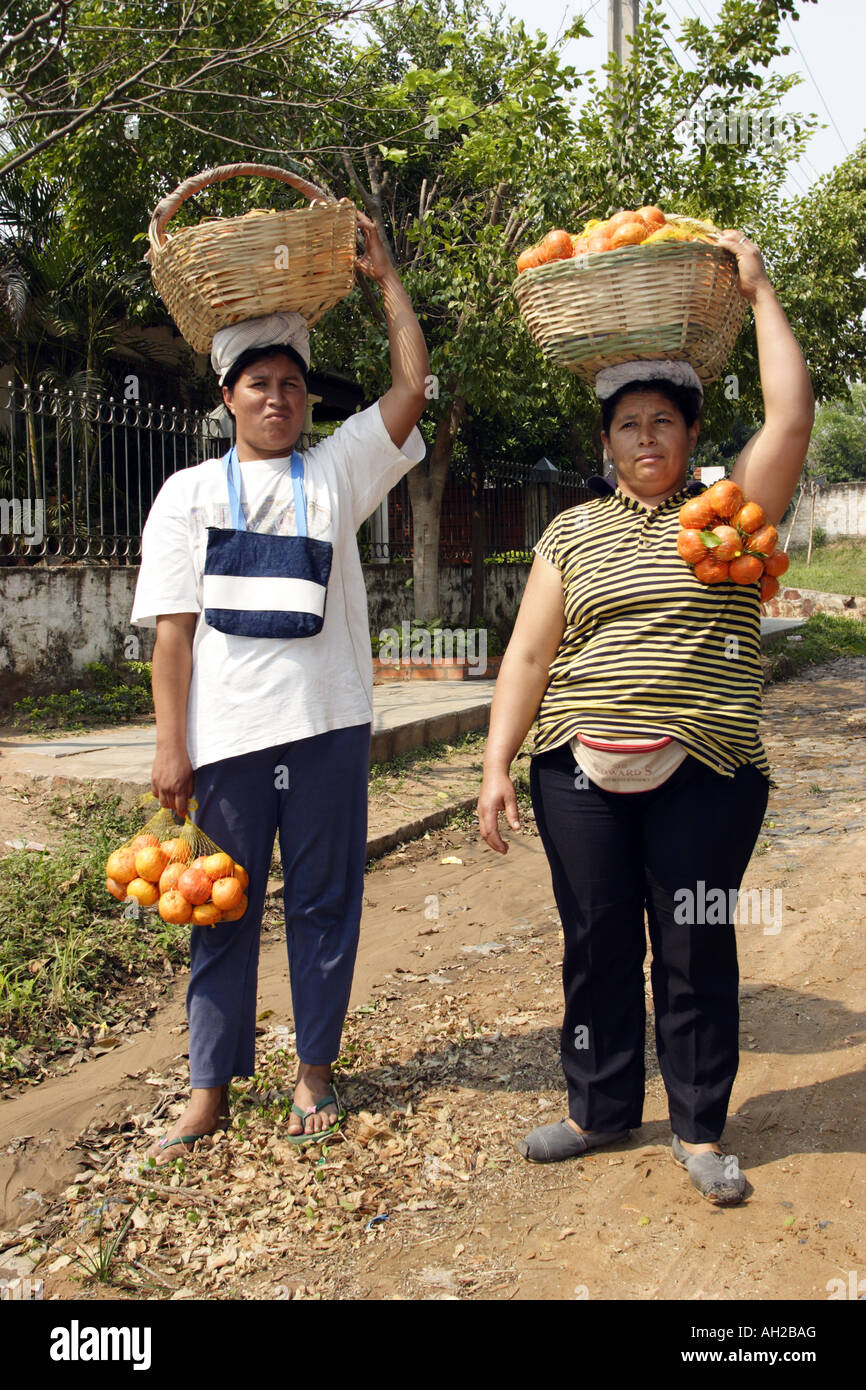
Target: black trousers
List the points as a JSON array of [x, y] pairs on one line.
[[611, 856]]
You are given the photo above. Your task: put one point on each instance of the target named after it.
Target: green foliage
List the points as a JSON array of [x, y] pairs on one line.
[[109, 696], [824, 638], [838, 447]]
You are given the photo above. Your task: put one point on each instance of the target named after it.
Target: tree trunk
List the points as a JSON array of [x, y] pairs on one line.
[[426, 486]]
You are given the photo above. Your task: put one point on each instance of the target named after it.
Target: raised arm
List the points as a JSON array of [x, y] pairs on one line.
[[771, 462], [523, 679], [403, 404]]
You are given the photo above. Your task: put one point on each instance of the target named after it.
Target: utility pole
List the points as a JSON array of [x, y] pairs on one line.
[[622, 21]]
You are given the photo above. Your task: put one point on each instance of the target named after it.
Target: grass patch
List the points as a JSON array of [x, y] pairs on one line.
[[392, 774], [838, 567], [824, 638], [106, 696], [66, 948]]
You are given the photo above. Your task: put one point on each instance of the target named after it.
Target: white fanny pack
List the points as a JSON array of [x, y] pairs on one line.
[[627, 765]]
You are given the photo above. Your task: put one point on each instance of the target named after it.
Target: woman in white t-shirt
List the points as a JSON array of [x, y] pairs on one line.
[[262, 683]]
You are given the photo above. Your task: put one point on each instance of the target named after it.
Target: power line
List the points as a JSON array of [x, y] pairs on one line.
[[815, 85]]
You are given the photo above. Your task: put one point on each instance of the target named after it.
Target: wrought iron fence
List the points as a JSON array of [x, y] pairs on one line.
[[79, 471], [516, 506]]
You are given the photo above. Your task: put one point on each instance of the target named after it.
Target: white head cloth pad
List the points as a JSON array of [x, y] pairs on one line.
[[611, 379], [229, 343]]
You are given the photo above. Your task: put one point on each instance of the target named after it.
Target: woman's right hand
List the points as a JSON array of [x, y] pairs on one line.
[[497, 794], [172, 779]]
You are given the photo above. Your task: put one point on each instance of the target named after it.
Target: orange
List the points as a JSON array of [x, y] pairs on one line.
[[776, 564], [177, 849], [556, 246], [227, 893], [121, 865], [725, 497], [769, 587], [746, 569], [628, 234], [712, 571], [731, 546], [599, 240], [690, 547], [173, 907], [749, 518], [117, 890], [142, 842], [147, 893], [236, 912], [195, 885], [150, 862], [206, 915], [763, 541], [697, 514], [652, 216], [218, 865], [242, 876], [170, 875]]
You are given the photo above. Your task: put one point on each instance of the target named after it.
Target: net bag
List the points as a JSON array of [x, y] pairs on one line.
[[173, 868]]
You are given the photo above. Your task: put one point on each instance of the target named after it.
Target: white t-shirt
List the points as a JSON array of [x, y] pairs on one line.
[[248, 693]]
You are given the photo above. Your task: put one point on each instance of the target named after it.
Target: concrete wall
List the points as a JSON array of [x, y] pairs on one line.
[[55, 620], [839, 511]]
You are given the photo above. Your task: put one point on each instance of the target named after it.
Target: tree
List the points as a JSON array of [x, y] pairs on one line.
[[82, 62], [838, 448]]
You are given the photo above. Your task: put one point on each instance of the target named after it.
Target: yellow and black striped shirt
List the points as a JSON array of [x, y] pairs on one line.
[[647, 649]]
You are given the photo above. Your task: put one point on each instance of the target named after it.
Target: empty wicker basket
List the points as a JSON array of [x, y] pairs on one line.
[[229, 269], [672, 299]]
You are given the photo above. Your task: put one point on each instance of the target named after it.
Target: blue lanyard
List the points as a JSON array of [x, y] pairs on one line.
[[231, 465]]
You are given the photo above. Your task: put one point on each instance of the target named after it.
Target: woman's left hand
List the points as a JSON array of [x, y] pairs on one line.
[[750, 263], [375, 261]]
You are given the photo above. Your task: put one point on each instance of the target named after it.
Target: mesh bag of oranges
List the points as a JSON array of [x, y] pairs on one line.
[[173, 868], [725, 538]]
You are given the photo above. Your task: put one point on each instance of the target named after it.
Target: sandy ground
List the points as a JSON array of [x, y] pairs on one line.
[[452, 1054]]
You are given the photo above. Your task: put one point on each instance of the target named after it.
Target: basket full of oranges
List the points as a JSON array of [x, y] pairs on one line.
[[173, 868], [640, 286], [725, 538]]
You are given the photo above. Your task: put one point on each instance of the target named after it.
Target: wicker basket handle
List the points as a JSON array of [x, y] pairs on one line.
[[168, 206]]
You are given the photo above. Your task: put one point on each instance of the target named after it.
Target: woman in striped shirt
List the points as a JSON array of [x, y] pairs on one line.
[[649, 781]]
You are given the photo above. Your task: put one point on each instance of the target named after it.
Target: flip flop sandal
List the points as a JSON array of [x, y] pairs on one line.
[[299, 1140], [188, 1140], [553, 1143], [710, 1174]]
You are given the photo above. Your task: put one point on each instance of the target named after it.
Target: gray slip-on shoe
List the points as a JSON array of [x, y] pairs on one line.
[[553, 1143], [716, 1176]]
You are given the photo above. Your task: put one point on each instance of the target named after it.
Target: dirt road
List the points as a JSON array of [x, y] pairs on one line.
[[452, 1053]]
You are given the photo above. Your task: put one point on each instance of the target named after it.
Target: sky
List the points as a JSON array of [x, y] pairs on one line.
[[832, 40]]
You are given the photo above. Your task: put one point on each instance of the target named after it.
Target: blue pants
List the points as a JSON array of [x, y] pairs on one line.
[[313, 793]]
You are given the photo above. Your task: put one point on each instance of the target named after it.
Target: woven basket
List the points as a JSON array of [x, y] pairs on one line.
[[235, 268], [673, 299]]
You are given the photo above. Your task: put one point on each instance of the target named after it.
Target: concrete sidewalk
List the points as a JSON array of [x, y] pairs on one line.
[[407, 714]]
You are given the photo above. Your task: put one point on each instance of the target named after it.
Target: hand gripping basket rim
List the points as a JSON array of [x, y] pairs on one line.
[[673, 299], [225, 270]]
